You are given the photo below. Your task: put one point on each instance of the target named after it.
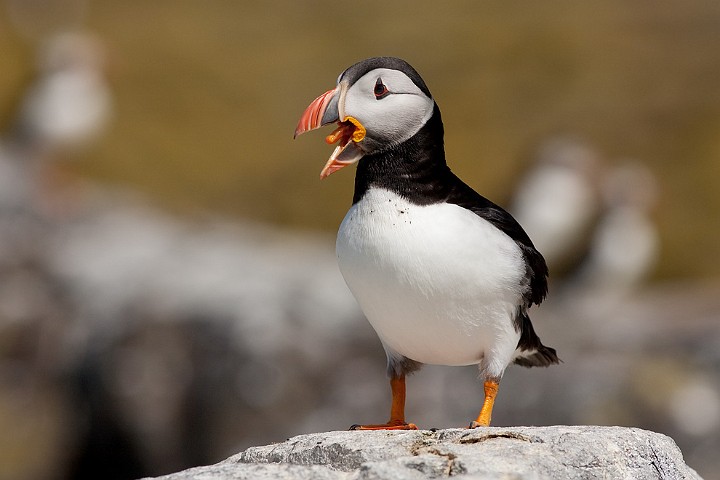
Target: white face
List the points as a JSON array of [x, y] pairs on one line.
[[391, 117]]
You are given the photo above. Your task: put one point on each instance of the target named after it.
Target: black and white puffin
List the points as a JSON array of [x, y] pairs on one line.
[[442, 274]]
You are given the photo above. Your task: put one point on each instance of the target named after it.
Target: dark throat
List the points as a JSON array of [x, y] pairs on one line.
[[414, 169]]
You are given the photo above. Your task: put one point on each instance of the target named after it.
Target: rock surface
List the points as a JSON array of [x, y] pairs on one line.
[[580, 452]]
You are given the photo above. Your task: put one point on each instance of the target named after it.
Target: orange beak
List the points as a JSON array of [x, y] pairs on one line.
[[313, 115], [324, 110]]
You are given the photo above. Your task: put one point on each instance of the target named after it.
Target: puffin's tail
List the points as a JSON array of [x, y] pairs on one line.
[[530, 350]]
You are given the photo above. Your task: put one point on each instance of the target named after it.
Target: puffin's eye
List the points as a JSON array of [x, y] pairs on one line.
[[380, 89]]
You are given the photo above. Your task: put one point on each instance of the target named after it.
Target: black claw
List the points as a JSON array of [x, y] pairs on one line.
[[354, 427]]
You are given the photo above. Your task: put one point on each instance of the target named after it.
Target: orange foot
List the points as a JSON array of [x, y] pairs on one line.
[[483, 419], [397, 410], [392, 425]]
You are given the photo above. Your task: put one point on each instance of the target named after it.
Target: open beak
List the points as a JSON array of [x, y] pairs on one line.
[[326, 109]]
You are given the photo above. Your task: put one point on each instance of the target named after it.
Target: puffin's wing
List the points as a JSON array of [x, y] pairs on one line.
[[530, 350], [466, 197]]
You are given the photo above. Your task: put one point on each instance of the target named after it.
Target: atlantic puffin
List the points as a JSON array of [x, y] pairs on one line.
[[442, 274], [70, 103], [558, 200]]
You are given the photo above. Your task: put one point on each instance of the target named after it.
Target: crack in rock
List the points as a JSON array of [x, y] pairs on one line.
[[452, 467], [472, 438], [429, 446], [451, 457]]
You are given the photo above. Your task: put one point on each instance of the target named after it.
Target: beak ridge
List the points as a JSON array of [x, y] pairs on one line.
[[315, 115]]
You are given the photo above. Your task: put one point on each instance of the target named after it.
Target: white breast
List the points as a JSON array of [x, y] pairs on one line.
[[439, 284]]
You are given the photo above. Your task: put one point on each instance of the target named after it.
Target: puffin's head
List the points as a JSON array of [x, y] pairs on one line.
[[378, 103]]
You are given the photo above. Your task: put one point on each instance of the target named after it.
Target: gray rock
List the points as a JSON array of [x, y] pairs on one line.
[[581, 452]]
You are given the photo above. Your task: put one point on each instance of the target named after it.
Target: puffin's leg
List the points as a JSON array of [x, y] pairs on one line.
[[491, 389], [397, 409]]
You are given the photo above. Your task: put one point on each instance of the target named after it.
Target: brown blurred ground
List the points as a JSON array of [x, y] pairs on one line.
[[208, 95]]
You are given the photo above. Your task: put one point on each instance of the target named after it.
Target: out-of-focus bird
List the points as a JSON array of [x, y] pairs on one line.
[[70, 102], [558, 200], [625, 243], [444, 275], [65, 110]]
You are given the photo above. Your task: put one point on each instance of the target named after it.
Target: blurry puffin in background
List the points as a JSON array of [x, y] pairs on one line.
[[443, 275], [558, 200]]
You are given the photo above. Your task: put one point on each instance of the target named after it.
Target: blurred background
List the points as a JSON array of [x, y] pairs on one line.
[[168, 287]]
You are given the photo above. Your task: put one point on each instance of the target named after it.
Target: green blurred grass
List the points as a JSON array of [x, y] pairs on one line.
[[208, 94]]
